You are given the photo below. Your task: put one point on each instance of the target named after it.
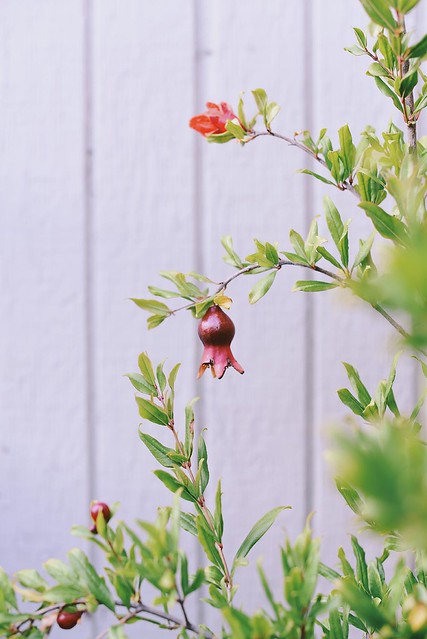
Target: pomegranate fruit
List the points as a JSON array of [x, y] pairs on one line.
[[216, 332], [67, 619]]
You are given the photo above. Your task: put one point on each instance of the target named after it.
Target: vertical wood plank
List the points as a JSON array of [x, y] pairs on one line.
[[43, 458], [143, 222], [256, 422], [346, 330]]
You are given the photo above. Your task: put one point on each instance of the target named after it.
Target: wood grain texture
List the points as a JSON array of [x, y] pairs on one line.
[[256, 423], [143, 223], [102, 185], [43, 460]]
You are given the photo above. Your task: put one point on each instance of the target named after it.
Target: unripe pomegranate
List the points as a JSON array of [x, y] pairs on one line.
[[95, 508], [68, 619], [216, 331]]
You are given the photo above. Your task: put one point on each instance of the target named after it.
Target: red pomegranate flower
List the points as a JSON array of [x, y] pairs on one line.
[[216, 331], [214, 119]]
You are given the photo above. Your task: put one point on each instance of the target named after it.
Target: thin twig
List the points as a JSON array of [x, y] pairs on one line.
[[343, 186], [313, 267], [390, 320], [408, 102], [178, 623]]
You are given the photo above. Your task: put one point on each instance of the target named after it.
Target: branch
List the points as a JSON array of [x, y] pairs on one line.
[[201, 500], [390, 320], [177, 623], [344, 186], [408, 103], [313, 267]]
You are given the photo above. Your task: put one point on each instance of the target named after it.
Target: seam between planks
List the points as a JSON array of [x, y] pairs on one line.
[[87, 7], [199, 72], [309, 337]]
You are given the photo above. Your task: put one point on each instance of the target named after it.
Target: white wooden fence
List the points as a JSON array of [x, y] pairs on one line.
[[102, 185]]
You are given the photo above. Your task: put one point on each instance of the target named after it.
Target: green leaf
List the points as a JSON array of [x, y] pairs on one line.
[[343, 244], [258, 531], [361, 566], [218, 519], [32, 579], [207, 540], [420, 103], [261, 287], [380, 13], [202, 460], [374, 581], [325, 253], [405, 6], [271, 112], [364, 250], [408, 84], [348, 150], [219, 138], [62, 573], [146, 369], [153, 306], [235, 129], [64, 593], [161, 292], [418, 50], [386, 90], [328, 573], [155, 320], [173, 484], [296, 259], [172, 376], [189, 427], [387, 225], [298, 244], [271, 253], [345, 565], [161, 377], [312, 242], [158, 450], [350, 495], [361, 37], [139, 382], [362, 604], [317, 176], [198, 580], [88, 575], [333, 220], [335, 165], [261, 100], [151, 412], [116, 632], [7, 590], [361, 390], [188, 523], [354, 49], [313, 286], [350, 401], [231, 256], [377, 71]]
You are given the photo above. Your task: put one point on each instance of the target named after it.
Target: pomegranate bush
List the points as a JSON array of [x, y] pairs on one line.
[[380, 463]]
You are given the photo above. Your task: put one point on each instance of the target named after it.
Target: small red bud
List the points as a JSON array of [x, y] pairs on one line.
[[216, 331], [68, 619], [95, 508]]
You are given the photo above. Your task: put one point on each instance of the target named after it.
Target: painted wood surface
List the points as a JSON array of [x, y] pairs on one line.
[[102, 186]]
